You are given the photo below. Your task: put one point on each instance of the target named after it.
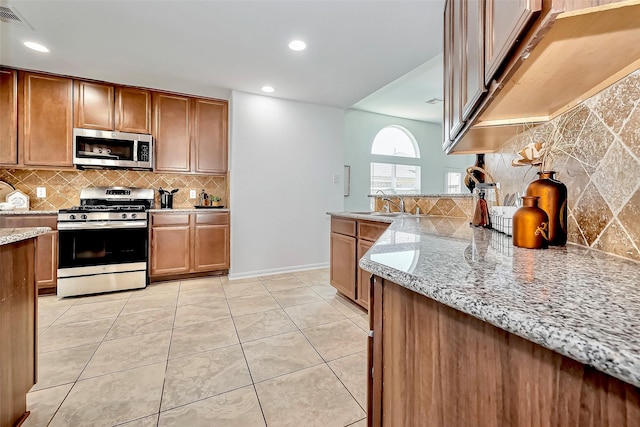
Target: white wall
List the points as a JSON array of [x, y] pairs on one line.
[[283, 155], [360, 129]]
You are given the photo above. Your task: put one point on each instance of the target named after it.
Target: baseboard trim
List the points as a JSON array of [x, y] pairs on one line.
[[273, 271]]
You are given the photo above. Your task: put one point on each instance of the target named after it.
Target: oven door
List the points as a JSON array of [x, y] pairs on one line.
[[102, 259], [104, 246]]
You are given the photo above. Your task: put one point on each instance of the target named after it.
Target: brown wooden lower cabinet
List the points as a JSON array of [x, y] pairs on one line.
[[343, 264], [46, 247], [362, 281], [350, 240], [18, 326], [183, 243], [436, 366]]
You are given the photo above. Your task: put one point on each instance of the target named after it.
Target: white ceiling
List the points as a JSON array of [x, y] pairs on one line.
[[355, 48]]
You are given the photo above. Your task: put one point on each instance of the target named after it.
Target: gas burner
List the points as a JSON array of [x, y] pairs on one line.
[[112, 208]]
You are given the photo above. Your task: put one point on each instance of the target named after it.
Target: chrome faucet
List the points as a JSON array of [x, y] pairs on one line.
[[400, 207]]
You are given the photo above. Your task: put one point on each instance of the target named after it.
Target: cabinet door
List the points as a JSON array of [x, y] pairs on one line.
[[362, 288], [343, 264], [94, 105], [8, 117], [210, 136], [448, 76], [457, 68], [171, 132], [47, 120], [170, 250], [47, 262], [505, 22], [133, 108], [211, 247], [473, 66]]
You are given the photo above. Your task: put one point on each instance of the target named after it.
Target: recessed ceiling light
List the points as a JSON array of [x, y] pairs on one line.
[[36, 46], [297, 45], [268, 89]]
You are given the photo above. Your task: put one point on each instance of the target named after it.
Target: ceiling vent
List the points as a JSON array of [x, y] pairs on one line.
[[9, 15], [433, 101]]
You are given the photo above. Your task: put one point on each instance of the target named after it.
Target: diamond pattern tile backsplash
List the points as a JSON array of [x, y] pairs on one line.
[[599, 162], [442, 205], [63, 187]]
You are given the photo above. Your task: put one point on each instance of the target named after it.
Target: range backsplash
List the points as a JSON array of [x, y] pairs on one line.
[[600, 167], [63, 187]]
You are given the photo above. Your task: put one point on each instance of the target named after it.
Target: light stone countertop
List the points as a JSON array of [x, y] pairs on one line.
[[189, 210], [444, 195], [576, 301], [12, 235], [14, 212], [366, 216]]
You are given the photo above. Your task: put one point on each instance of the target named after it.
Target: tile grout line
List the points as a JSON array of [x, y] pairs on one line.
[[88, 361], [246, 362], [166, 366]]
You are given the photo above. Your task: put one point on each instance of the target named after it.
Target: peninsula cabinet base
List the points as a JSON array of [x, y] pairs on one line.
[[436, 366], [18, 330]]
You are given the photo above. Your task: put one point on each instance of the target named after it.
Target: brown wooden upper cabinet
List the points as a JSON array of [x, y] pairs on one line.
[[190, 134], [505, 22], [8, 117], [45, 120], [103, 106], [478, 35], [507, 68]]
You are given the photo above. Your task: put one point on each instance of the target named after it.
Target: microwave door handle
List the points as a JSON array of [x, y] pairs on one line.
[[135, 150]]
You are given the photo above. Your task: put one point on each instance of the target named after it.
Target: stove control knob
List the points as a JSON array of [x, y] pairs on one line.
[[124, 216], [134, 216], [83, 216], [72, 216]]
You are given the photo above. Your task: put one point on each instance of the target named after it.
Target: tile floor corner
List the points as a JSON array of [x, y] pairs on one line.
[[280, 350]]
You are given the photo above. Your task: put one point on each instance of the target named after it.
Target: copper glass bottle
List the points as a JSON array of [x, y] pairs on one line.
[[530, 225], [553, 200]]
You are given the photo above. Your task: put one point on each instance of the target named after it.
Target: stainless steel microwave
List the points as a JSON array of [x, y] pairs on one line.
[[107, 149]]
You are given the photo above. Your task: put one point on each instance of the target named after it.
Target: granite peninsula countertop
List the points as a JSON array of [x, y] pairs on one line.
[[15, 212], [189, 210], [576, 301], [12, 235], [447, 195]]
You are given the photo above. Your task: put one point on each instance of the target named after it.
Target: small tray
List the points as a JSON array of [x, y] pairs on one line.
[[208, 207]]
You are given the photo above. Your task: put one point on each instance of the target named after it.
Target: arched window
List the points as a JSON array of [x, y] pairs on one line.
[[395, 162]]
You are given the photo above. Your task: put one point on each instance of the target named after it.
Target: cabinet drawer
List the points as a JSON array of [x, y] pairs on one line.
[[371, 230], [19, 221], [343, 226], [212, 218], [169, 219]]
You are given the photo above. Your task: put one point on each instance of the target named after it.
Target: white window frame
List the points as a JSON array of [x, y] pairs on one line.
[[449, 172], [395, 161]]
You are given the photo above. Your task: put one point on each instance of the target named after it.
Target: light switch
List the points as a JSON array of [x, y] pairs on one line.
[[336, 178], [192, 194], [41, 192]]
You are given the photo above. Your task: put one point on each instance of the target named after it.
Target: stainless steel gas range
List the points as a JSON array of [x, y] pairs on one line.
[[103, 243]]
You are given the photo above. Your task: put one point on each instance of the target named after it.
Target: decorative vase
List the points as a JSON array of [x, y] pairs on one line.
[[553, 200], [530, 225]]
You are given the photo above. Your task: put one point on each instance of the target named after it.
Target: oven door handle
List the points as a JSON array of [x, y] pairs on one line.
[[101, 224]]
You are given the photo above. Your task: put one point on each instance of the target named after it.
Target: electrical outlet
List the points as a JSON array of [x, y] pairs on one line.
[[192, 194], [41, 192]]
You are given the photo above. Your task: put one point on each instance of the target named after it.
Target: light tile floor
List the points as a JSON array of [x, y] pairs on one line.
[[280, 350]]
